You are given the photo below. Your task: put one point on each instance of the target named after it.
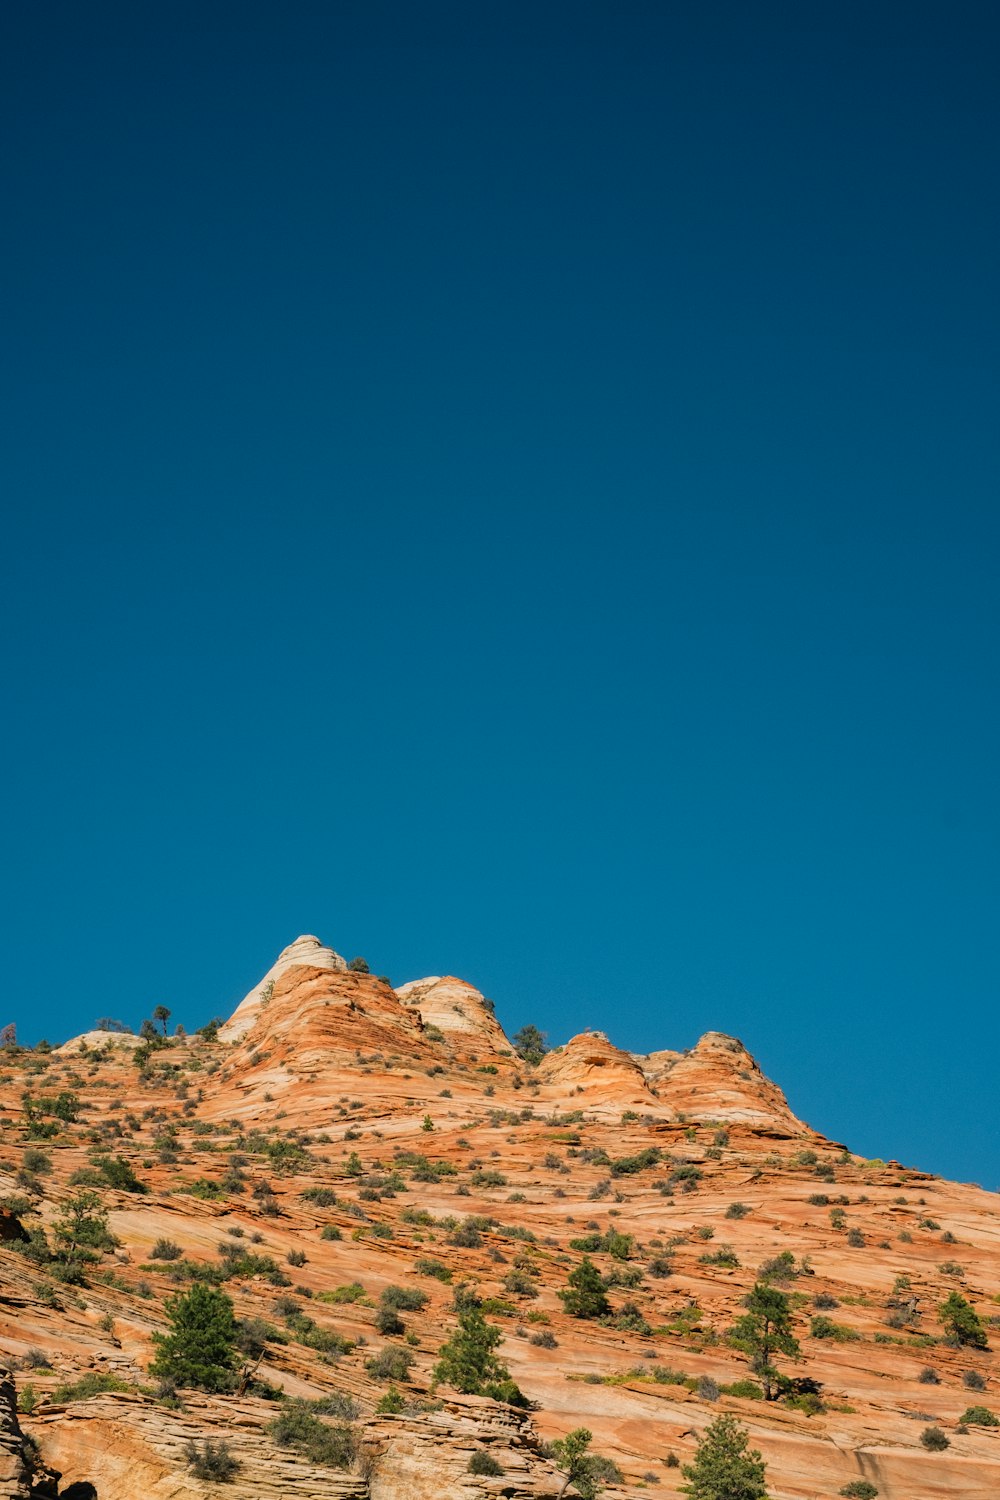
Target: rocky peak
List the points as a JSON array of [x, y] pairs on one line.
[[606, 1078], [454, 1007], [719, 1079], [306, 951]]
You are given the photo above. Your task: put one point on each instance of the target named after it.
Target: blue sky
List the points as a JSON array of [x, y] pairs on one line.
[[513, 490]]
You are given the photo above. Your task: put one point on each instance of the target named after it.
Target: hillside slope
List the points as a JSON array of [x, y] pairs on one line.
[[337, 1138]]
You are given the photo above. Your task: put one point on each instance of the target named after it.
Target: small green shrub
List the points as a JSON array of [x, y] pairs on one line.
[[91, 1384], [392, 1403], [407, 1299], [390, 1364], [428, 1266], [979, 1416]]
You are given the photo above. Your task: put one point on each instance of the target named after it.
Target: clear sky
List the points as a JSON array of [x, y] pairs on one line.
[[513, 489]]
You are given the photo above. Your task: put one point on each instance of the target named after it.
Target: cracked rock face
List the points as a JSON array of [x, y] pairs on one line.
[[14, 1473]]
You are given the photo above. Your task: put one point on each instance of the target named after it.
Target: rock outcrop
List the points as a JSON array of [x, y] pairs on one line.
[[457, 1009], [15, 1474], [307, 952], [719, 1079]]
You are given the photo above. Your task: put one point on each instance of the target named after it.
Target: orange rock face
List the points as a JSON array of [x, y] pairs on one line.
[[340, 1138]]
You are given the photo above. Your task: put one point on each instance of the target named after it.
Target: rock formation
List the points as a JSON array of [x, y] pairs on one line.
[[340, 1140]]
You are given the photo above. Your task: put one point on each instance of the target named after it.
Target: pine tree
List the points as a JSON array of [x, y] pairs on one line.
[[587, 1472], [201, 1348], [766, 1330], [585, 1298], [962, 1322], [468, 1361], [530, 1044], [725, 1467]]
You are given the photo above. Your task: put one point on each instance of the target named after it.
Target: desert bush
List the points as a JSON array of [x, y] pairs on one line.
[[962, 1322], [934, 1440], [297, 1426], [428, 1266], [390, 1364], [91, 1384], [544, 1340], [626, 1166], [405, 1299], [484, 1463], [213, 1461], [392, 1403], [388, 1321], [822, 1327], [585, 1296], [725, 1256]]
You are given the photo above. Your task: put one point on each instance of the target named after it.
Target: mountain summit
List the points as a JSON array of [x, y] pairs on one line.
[[310, 1011]]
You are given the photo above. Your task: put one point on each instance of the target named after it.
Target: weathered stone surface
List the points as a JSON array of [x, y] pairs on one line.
[[14, 1471], [305, 950]]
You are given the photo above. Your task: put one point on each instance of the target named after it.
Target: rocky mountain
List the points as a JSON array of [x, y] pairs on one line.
[[355, 1166]]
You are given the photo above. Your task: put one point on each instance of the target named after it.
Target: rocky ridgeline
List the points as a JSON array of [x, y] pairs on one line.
[[338, 1139]]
